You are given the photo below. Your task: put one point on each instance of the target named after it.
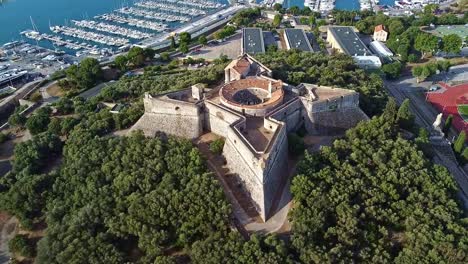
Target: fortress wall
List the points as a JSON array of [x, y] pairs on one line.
[[346, 101], [218, 119], [239, 164], [171, 117], [290, 114], [276, 169], [336, 121]]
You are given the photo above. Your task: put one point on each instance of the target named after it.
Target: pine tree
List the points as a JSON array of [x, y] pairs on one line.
[[460, 142], [447, 125], [404, 116], [390, 111]]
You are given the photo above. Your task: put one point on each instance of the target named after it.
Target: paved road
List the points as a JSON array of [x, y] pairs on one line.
[[46, 97], [94, 91], [8, 230], [425, 114]]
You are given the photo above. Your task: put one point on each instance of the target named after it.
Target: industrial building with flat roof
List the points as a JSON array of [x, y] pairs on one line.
[[297, 39], [252, 41], [345, 40]]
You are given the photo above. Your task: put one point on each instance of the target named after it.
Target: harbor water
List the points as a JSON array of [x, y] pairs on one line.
[[16, 16]]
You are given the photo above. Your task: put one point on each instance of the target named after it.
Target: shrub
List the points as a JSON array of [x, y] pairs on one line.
[[36, 97], [217, 146], [20, 245]]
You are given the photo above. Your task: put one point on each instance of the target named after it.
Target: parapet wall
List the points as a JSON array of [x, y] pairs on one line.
[[172, 117], [346, 101], [334, 122], [218, 118], [290, 114]]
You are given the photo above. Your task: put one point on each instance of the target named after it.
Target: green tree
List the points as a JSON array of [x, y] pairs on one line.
[[86, 74], [173, 42], [277, 20], [404, 116], [136, 56], [185, 37], [202, 40], [392, 70], [346, 199], [447, 125], [464, 156], [183, 47], [17, 120], [39, 121], [121, 62], [396, 27], [165, 56], [459, 144], [3, 137], [20, 244], [452, 43], [277, 7], [426, 43]]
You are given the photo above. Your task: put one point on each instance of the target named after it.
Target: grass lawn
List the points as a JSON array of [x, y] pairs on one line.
[[55, 90], [463, 111]]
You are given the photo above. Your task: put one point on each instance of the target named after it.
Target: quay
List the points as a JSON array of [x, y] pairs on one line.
[[195, 28]]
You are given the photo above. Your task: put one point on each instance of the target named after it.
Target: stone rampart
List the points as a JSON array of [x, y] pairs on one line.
[[291, 114], [275, 168], [170, 116], [219, 118], [240, 165]]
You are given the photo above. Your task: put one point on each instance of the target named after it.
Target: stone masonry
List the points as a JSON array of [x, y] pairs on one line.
[[256, 148]]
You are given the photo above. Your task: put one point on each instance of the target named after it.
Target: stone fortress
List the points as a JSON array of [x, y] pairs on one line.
[[254, 113]]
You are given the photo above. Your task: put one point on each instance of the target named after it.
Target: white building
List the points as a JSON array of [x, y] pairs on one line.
[[380, 34], [380, 49], [368, 62]]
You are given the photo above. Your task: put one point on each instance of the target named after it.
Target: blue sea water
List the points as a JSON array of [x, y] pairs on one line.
[[15, 14]]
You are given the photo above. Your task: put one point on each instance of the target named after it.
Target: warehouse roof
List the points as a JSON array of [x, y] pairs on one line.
[[297, 39], [349, 41], [252, 41]]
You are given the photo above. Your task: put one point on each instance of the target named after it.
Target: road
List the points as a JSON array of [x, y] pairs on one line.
[[425, 115], [94, 91]]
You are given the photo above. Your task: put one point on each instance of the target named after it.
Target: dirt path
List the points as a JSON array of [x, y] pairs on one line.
[[8, 227]]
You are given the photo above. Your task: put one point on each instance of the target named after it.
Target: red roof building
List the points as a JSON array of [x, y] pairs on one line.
[[451, 100]]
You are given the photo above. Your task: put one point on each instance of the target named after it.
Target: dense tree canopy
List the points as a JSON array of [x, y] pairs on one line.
[[111, 191], [85, 75], [373, 198], [156, 82], [296, 67]]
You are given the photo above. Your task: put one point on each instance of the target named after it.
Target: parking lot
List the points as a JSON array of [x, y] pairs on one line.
[[34, 59], [230, 47]]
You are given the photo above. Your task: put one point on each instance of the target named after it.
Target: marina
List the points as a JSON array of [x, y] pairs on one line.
[[110, 32]]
